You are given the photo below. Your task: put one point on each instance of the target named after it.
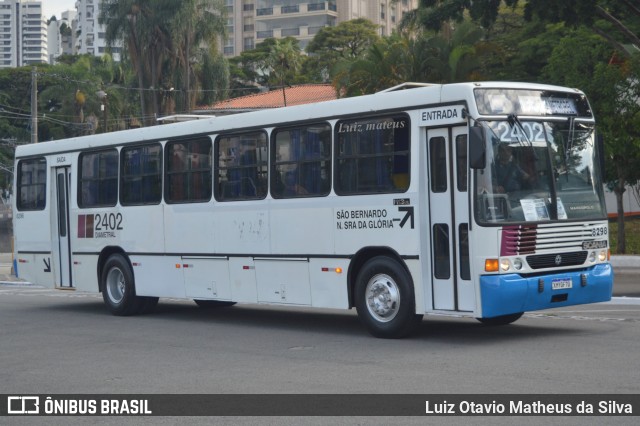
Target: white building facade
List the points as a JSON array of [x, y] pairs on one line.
[[23, 33], [61, 35], [250, 22], [90, 34]]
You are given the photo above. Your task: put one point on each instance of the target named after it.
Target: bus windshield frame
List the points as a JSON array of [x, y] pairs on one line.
[[539, 171]]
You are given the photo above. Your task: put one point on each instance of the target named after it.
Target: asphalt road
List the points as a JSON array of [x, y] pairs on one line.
[[63, 342]]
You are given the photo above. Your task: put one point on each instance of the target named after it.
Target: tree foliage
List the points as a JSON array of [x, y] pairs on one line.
[[162, 40], [349, 40], [274, 63], [67, 98], [617, 21]]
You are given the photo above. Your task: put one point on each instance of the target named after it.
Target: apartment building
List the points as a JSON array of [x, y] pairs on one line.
[[252, 21], [90, 35], [23, 33], [60, 35]]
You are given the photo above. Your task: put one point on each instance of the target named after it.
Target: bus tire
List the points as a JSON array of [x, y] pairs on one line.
[[118, 287], [384, 298], [501, 320], [213, 303]]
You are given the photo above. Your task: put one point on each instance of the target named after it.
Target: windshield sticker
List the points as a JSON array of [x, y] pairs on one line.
[[562, 214], [534, 209]]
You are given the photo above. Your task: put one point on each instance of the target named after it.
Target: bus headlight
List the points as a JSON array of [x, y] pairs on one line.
[[592, 256], [505, 265], [602, 256], [517, 264]]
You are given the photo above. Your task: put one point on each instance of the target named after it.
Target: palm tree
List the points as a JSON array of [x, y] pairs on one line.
[[162, 39], [196, 26], [283, 62], [123, 21]]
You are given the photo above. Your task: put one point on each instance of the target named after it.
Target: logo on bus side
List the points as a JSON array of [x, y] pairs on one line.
[[99, 225]]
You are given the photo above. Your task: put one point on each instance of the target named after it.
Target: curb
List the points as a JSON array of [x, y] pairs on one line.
[[627, 262]]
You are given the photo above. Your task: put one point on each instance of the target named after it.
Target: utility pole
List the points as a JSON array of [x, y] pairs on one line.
[[34, 105]]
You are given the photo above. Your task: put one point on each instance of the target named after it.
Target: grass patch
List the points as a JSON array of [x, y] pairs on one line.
[[631, 234]]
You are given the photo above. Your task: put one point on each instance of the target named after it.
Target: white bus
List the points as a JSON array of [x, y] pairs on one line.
[[395, 203]]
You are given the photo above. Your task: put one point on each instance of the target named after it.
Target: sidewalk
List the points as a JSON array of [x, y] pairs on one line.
[[6, 269], [626, 263]]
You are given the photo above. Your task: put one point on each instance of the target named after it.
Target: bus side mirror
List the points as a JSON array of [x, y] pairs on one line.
[[477, 148]]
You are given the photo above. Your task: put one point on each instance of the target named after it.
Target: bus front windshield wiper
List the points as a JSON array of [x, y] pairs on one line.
[[514, 121]]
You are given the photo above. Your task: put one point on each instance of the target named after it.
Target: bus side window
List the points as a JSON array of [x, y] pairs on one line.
[[141, 175], [372, 155], [188, 171], [32, 183], [242, 167], [98, 179], [301, 161]]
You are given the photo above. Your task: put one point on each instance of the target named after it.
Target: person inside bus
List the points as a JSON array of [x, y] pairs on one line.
[[291, 185], [509, 176]]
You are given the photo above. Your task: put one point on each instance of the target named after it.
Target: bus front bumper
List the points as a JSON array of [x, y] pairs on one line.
[[513, 293]]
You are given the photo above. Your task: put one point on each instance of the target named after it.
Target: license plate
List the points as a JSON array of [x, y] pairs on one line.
[[561, 283]]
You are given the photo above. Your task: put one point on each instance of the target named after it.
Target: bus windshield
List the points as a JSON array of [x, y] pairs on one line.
[[539, 171]]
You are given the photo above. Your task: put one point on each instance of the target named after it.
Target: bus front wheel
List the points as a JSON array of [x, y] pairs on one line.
[[118, 288], [384, 298]]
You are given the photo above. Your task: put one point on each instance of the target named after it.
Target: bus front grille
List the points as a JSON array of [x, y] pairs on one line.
[[552, 260]]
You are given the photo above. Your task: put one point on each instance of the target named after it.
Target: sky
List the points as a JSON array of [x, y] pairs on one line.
[[56, 7]]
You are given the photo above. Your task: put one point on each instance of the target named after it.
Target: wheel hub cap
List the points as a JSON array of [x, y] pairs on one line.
[[383, 298]]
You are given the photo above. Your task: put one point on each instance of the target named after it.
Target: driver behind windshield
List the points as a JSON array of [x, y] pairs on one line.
[[509, 175]]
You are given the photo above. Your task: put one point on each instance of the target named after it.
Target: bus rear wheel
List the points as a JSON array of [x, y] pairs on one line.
[[118, 288], [384, 298], [501, 320]]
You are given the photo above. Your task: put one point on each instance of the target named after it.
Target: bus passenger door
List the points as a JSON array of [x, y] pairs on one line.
[[447, 176], [61, 262]]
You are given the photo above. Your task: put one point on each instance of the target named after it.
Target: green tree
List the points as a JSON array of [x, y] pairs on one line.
[[67, 98], [214, 78], [617, 21], [126, 21], [582, 59], [273, 63], [421, 57], [163, 40], [348, 40], [283, 63], [197, 23]]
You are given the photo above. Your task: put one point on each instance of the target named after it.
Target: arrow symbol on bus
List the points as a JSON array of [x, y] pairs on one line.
[[47, 265], [408, 215]]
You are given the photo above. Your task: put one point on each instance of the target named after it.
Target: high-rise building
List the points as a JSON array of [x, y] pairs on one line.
[[252, 21], [61, 36], [90, 34], [249, 23], [23, 33]]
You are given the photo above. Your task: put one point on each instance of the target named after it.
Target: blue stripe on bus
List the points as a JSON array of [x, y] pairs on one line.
[[512, 293]]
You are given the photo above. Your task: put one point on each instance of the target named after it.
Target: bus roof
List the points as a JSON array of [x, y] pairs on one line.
[[370, 104]]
